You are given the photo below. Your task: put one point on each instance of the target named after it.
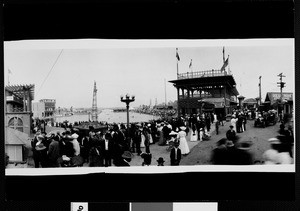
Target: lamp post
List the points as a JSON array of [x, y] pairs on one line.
[[128, 99]]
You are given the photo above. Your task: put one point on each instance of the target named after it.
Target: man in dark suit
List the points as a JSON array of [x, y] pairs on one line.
[[107, 147], [125, 159], [230, 134], [175, 154]]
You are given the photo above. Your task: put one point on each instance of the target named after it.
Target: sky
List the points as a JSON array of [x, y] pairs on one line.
[[65, 70]]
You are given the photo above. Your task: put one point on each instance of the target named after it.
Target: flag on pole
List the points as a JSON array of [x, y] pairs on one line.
[[191, 63], [177, 55], [224, 65]]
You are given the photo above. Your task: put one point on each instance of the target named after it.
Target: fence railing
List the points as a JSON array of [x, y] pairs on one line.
[[200, 74], [15, 110]]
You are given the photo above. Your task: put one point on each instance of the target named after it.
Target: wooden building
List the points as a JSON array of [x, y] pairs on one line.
[[197, 89], [273, 101], [18, 110]]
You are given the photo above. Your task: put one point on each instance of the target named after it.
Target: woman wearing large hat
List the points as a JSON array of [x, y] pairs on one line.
[[183, 146], [41, 152]]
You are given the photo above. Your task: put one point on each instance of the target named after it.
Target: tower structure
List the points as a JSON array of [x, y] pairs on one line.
[[94, 107]]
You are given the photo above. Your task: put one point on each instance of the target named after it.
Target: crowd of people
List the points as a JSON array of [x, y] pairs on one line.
[[116, 145], [231, 151]]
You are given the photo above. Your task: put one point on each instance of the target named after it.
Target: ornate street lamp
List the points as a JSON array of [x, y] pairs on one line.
[[128, 99]]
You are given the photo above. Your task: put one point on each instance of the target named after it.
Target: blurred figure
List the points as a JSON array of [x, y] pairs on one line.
[[217, 124], [194, 133], [243, 155], [275, 155], [160, 161], [290, 140], [219, 153]]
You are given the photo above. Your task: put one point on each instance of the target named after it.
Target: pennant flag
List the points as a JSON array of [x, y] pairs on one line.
[[177, 55], [224, 65], [9, 71], [191, 63]]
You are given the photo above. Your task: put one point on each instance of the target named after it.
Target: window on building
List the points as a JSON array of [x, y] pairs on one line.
[[16, 123]]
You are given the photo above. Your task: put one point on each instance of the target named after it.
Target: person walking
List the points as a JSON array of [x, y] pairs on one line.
[[217, 124], [231, 134], [106, 147], [137, 139], [53, 152], [183, 145], [233, 122], [194, 133], [175, 154]]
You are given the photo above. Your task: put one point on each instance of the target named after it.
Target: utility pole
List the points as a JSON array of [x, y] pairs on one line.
[[281, 85]]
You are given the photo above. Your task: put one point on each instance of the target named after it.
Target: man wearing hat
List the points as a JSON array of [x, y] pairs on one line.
[[160, 161], [219, 153], [126, 158], [231, 134], [137, 139], [41, 152], [107, 147], [243, 154], [147, 156], [37, 145], [175, 154], [54, 152]]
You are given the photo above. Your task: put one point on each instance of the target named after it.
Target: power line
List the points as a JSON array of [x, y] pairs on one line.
[[50, 71]]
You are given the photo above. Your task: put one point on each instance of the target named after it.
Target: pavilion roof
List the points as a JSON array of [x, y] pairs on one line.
[[18, 90]]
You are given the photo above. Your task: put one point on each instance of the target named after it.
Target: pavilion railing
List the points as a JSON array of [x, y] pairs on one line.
[[201, 74]]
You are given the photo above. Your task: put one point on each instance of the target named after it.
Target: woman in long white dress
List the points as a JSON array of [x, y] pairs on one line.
[[143, 141], [183, 145]]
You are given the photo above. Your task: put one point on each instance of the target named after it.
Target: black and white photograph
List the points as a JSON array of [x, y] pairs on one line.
[[150, 105]]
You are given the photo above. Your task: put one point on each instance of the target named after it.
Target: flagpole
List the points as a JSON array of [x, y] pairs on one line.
[[8, 77], [228, 66], [165, 94], [177, 56], [223, 54], [177, 68]]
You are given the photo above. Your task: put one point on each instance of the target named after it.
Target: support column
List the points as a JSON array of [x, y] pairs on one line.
[[178, 108], [225, 100], [24, 101], [28, 103]]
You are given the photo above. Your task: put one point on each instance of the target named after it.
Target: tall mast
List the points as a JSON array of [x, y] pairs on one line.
[[94, 107]]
